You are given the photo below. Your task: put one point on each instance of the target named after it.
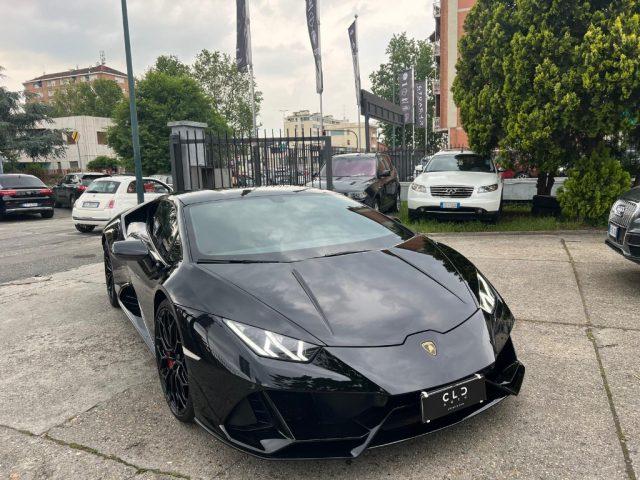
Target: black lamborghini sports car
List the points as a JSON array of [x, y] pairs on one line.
[[297, 323]]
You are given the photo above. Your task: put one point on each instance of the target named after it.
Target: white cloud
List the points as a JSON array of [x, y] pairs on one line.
[[46, 36]]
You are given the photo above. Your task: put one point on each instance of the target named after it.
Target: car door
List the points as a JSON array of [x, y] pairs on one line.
[[385, 182], [165, 247], [62, 189]]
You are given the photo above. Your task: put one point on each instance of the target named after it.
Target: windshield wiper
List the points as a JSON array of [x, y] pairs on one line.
[[339, 254], [228, 261]]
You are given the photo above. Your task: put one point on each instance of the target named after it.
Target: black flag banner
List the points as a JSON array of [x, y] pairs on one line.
[[353, 40], [243, 43], [406, 94], [421, 104], [313, 22]]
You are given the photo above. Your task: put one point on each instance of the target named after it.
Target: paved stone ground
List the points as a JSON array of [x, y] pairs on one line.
[[79, 396]]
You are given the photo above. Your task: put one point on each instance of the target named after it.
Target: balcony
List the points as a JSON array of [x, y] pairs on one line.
[[436, 8], [435, 84]]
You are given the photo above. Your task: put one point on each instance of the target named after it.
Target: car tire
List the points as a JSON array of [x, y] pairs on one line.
[[172, 364], [414, 215], [47, 214], [57, 204], [85, 228], [72, 200], [109, 280], [396, 205]]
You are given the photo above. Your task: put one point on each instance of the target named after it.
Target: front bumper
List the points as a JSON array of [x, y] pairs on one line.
[[347, 399], [477, 203], [630, 251]]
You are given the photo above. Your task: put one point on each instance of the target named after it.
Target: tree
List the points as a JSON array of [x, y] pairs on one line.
[[403, 53], [160, 98], [102, 162], [171, 65], [22, 128], [548, 79], [228, 89], [98, 99]]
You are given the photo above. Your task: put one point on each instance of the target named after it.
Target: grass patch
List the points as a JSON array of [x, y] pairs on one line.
[[514, 218]]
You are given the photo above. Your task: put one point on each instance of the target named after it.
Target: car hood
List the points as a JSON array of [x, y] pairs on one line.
[[351, 184], [374, 298], [632, 195], [470, 179]]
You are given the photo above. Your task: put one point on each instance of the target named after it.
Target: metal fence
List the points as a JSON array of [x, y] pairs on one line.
[[405, 161], [202, 159]]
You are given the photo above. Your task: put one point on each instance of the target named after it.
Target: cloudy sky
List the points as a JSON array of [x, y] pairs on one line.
[[39, 36]]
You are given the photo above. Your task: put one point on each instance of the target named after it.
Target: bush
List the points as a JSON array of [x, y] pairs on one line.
[[103, 162], [593, 186]]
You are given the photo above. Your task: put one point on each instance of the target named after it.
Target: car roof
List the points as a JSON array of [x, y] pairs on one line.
[[123, 178], [202, 196], [363, 155], [13, 175], [455, 150]]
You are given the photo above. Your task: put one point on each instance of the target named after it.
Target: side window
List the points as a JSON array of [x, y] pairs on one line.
[[165, 233], [150, 186]]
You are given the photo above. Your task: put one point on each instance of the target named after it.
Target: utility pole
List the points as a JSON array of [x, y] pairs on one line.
[[132, 106]]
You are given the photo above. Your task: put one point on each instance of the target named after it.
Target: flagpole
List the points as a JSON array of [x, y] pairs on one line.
[[413, 107], [358, 93], [320, 48], [253, 102]]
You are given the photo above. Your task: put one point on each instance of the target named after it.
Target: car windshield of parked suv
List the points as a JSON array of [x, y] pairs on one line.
[[103, 186], [86, 181], [460, 162], [21, 181], [287, 228], [352, 166]]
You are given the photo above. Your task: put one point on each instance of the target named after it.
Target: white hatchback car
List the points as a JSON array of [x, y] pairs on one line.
[[457, 183], [108, 196]]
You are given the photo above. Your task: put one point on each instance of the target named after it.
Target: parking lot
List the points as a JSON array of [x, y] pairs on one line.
[[80, 397]]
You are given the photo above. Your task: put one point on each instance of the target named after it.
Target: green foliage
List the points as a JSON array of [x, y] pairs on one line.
[[21, 129], [171, 65], [102, 162], [98, 99], [228, 89], [594, 184], [403, 53], [160, 98], [549, 79]]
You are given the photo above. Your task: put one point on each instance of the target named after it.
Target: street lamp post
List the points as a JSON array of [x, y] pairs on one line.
[[132, 106]]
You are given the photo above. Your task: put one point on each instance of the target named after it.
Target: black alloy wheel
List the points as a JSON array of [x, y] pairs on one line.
[[397, 204], [108, 278], [84, 228], [172, 365], [47, 214]]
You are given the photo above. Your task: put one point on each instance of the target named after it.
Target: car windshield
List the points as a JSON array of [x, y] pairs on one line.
[[103, 186], [21, 181], [86, 181], [460, 162], [287, 227], [352, 166]]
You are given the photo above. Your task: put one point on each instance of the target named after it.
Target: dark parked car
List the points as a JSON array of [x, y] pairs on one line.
[[72, 186], [624, 225], [369, 178], [24, 194], [298, 323]]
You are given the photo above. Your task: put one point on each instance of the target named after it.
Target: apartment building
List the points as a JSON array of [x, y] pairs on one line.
[[92, 142], [344, 134], [450, 16], [45, 86]]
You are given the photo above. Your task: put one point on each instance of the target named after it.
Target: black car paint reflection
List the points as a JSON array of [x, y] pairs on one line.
[[369, 305]]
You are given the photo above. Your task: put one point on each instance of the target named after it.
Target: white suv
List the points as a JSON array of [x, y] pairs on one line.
[[457, 182]]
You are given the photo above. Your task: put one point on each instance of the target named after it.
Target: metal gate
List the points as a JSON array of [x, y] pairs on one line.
[[203, 159]]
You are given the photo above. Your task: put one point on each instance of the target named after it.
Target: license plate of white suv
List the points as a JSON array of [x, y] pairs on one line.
[[449, 205]]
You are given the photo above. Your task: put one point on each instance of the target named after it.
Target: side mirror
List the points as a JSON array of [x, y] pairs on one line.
[[384, 173], [130, 250]]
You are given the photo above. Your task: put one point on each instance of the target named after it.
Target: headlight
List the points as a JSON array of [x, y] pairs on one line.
[[486, 298], [418, 188], [488, 188], [272, 345], [357, 195]]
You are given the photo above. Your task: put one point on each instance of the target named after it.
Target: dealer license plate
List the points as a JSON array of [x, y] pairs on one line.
[[449, 205], [90, 204], [441, 402], [613, 230], [29, 204]]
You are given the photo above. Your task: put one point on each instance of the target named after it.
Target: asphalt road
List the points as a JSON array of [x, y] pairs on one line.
[[33, 246]]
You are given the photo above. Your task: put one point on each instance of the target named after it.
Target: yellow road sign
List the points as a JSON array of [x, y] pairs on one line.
[[75, 136]]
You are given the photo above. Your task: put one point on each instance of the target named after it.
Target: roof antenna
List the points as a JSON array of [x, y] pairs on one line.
[[103, 57]]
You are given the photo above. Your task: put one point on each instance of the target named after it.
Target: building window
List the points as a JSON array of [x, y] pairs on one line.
[[73, 165], [120, 80], [38, 84], [51, 83], [102, 138], [87, 78], [50, 93]]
